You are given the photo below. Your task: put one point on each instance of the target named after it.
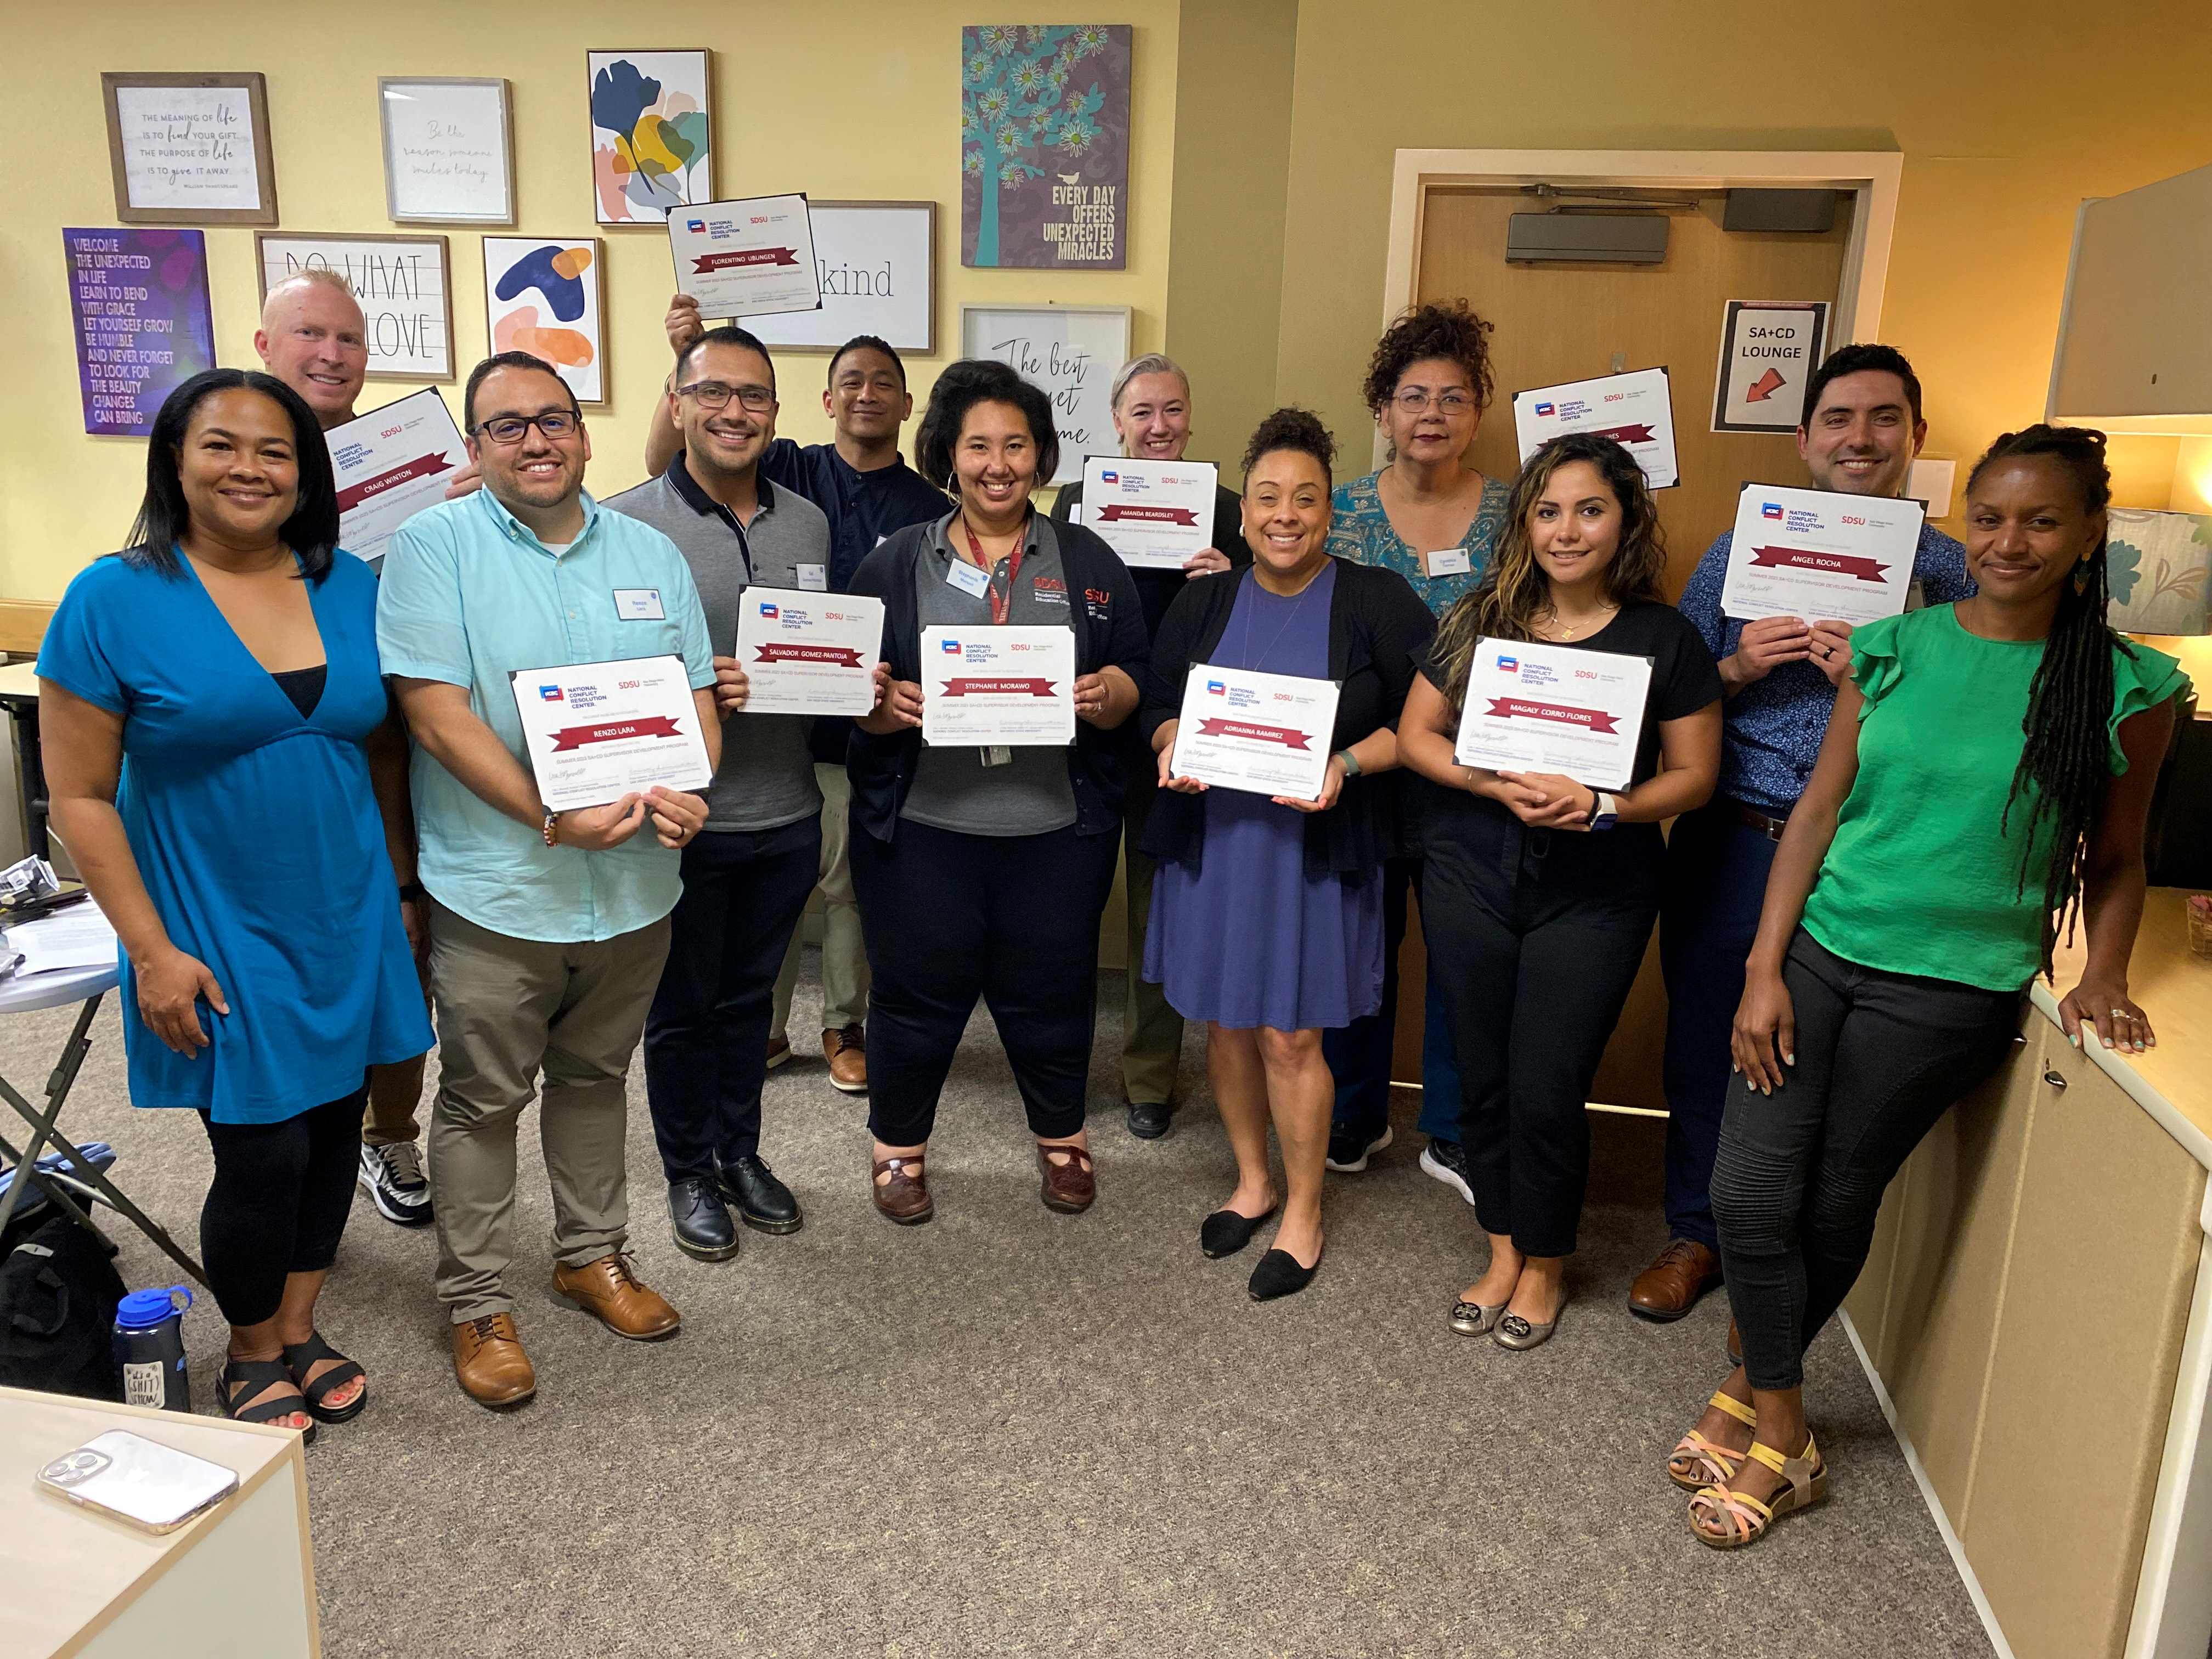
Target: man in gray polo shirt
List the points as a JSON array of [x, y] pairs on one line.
[[747, 876]]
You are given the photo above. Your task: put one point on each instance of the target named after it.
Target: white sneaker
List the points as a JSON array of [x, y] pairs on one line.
[[1447, 1161], [393, 1177]]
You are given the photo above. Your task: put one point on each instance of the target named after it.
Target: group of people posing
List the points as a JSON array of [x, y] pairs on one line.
[[298, 787]]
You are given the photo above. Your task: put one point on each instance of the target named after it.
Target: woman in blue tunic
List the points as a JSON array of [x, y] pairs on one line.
[[1266, 915], [212, 715]]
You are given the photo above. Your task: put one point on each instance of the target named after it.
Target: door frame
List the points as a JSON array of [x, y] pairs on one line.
[[1872, 176]]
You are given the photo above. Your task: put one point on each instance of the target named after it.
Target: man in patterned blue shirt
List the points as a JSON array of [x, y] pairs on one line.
[[1861, 430]]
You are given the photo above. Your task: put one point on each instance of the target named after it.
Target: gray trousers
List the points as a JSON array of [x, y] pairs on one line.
[[507, 1010]]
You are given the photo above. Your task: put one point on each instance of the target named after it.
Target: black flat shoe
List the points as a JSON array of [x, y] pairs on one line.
[[1279, 1275], [1225, 1232], [763, 1202]]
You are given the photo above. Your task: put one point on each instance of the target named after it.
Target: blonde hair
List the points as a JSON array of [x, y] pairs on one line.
[[1152, 362]]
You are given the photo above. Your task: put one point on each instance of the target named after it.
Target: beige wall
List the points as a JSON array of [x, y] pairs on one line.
[[2008, 114], [855, 100]]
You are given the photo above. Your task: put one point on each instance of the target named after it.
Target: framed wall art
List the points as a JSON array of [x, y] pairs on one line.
[[1071, 352], [448, 151], [877, 262], [651, 128], [542, 296], [402, 282], [190, 149]]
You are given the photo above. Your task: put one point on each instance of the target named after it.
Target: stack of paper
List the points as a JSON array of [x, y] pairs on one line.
[[78, 937]]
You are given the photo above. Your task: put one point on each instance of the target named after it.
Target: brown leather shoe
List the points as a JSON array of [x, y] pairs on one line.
[[905, 1197], [488, 1360], [1069, 1187], [779, 1052], [1671, 1285], [847, 1051], [609, 1292]]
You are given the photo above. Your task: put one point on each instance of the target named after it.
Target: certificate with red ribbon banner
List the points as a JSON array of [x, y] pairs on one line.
[[997, 686], [748, 258], [1820, 557], [1635, 410], [1265, 733], [598, 731], [809, 653], [389, 464], [1155, 514], [1533, 707]]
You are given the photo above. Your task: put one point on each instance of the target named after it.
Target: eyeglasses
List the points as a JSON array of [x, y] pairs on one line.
[[554, 423], [1414, 401], [716, 394]]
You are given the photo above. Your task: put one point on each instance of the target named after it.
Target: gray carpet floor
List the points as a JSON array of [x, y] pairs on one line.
[[1011, 1432]]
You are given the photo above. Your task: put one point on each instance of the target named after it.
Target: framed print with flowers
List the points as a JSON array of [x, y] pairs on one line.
[[1044, 145]]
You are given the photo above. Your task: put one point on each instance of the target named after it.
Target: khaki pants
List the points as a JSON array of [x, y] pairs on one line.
[[844, 952], [506, 1009]]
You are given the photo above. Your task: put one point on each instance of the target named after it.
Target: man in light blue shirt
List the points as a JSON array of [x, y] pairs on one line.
[[547, 929]]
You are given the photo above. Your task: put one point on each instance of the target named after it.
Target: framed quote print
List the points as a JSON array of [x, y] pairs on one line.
[[877, 264], [402, 282], [1071, 352], [190, 149], [542, 295], [448, 151]]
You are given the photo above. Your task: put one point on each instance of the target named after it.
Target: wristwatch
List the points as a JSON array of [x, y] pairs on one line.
[[1350, 762], [412, 892], [552, 818], [1605, 810]]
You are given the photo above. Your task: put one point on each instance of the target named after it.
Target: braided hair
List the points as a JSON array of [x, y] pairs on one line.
[[2064, 763]]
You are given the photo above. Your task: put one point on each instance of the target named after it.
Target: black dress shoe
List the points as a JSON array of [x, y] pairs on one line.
[[1279, 1275], [1225, 1232], [700, 1225], [764, 1202], [1149, 1118]]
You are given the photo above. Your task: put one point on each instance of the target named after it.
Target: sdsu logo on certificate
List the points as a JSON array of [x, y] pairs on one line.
[[997, 686], [1533, 707]]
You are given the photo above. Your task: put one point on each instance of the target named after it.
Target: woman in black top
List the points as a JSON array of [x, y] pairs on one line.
[[983, 871], [1541, 891]]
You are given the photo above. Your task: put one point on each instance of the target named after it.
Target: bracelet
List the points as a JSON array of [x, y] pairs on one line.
[[549, 828], [1350, 762]]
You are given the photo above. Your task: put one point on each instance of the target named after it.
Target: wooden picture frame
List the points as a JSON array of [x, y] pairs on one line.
[[406, 326], [1091, 342], [428, 191], [573, 303], [610, 204], [200, 128], [910, 327]]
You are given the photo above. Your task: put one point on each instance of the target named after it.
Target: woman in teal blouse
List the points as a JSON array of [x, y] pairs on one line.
[[1985, 780], [1431, 517]]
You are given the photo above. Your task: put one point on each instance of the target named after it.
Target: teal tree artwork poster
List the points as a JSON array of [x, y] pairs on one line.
[[1044, 145]]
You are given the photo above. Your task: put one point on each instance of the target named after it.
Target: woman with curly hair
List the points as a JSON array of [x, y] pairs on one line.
[[1540, 892], [1985, 782], [1266, 915], [1430, 516]]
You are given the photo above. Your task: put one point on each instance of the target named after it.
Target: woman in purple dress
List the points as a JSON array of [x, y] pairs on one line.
[[1266, 916]]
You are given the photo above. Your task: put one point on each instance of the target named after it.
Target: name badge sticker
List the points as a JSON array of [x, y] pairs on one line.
[[967, 578], [814, 578], [639, 604], [1450, 562]]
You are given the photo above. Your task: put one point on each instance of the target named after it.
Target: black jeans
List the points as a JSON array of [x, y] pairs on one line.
[[1012, 919], [1537, 935], [706, 1036], [278, 1204], [1716, 867], [1880, 1056]]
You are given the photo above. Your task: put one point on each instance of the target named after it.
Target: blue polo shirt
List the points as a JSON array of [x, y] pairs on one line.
[[469, 596], [1771, 729]]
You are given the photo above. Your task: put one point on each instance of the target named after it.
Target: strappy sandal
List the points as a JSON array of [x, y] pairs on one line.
[[1726, 1520], [300, 1358], [1711, 1464], [905, 1197], [245, 1379]]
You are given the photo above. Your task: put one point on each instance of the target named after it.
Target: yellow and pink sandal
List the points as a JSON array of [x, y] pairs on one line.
[[1726, 1520], [1710, 1464]]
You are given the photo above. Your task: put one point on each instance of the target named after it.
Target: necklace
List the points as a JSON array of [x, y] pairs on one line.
[[1568, 630], [1290, 614]]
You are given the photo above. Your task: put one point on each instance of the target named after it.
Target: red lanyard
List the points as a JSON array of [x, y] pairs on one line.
[[1001, 603]]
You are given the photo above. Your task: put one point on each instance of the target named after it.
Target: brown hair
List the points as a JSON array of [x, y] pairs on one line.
[[1449, 330]]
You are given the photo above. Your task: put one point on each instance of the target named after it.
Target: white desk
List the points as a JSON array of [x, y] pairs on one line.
[[237, 1582]]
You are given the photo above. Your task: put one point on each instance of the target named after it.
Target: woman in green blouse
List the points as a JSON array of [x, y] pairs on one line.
[[1985, 781]]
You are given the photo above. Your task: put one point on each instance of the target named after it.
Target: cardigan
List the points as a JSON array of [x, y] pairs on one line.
[[1157, 588], [1378, 629], [1109, 633]]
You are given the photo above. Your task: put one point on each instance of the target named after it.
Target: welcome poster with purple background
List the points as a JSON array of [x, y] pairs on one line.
[[144, 323]]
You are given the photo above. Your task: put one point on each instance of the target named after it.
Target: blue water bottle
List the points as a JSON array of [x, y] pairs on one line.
[[149, 1346]]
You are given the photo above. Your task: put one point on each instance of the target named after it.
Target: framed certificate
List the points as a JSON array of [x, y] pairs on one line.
[[448, 151], [1635, 410], [1155, 514], [1265, 733], [1819, 556], [749, 258], [1003, 686], [599, 731], [389, 464], [1534, 707], [809, 653]]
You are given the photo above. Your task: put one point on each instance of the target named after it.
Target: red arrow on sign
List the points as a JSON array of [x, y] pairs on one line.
[[1764, 388]]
